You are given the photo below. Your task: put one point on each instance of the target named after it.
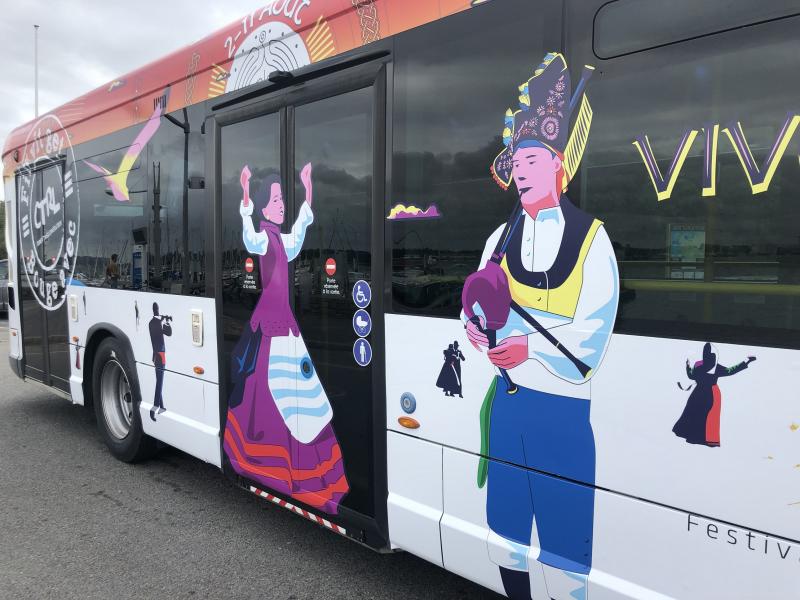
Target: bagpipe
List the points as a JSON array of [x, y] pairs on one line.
[[489, 288]]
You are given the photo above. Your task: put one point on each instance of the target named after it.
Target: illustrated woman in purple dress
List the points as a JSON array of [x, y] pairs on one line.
[[278, 431]]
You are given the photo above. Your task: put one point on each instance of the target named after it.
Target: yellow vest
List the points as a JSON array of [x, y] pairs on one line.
[[561, 300]]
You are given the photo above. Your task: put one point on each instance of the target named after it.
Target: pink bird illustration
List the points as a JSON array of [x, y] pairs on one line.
[[118, 181]]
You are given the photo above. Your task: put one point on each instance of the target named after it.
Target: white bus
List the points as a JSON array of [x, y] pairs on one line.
[[512, 285]]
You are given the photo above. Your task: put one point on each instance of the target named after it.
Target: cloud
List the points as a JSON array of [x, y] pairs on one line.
[[85, 44]]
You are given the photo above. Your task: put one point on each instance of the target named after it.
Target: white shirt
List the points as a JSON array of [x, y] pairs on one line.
[[587, 334], [257, 242]]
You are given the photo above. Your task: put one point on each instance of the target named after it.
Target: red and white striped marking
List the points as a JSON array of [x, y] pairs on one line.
[[299, 511]]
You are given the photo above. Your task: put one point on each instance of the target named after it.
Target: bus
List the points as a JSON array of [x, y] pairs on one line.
[[513, 286]]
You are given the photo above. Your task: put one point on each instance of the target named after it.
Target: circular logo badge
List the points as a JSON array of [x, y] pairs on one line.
[[408, 403], [362, 294], [330, 267], [362, 323], [248, 265], [48, 218], [306, 367], [362, 352]]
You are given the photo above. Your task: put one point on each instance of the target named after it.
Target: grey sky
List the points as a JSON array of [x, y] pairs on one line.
[[86, 43]]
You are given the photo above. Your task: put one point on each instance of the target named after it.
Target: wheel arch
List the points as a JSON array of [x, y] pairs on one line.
[[97, 333]]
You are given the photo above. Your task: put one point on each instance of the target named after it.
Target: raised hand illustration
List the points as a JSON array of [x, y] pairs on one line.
[[244, 179]]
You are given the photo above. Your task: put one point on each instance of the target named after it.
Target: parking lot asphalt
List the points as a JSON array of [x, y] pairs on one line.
[[76, 523]]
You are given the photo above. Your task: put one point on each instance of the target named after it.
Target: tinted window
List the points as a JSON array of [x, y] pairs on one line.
[[176, 244], [448, 118], [626, 26], [158, 250], [335, 136], [725, 266], [255, 143], [107, 222]]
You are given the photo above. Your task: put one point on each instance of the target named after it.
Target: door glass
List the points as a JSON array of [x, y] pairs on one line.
[[258, 327], [335, 137], [33, 325], [57, 347]]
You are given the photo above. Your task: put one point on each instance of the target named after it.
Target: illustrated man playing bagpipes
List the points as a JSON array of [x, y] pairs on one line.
[[542, 306]]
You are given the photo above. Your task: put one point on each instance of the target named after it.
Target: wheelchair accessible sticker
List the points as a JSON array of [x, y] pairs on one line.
[[362, 294]]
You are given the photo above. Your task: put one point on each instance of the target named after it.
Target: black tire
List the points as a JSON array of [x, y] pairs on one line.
[[114, 370]]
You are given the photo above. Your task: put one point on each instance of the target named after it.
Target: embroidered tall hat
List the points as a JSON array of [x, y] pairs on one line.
[[546, 106]]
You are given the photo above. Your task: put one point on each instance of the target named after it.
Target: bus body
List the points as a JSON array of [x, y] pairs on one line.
[[413, 271]]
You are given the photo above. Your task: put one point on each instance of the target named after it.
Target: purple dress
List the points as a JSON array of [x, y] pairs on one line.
[[257, 440]]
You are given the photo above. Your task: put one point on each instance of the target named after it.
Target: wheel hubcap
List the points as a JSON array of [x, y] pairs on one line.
[[116, 398]]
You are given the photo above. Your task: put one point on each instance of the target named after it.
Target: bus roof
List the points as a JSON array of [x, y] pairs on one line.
[[281, 35]]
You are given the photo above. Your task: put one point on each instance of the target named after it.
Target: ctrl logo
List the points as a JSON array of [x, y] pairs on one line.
[[49, 212]]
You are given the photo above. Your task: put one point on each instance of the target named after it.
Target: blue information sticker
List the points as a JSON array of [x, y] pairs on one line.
[[362, 352], [362, 294], [362, 323]]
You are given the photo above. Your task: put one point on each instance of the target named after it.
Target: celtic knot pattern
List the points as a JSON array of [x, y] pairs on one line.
[[368, 15]]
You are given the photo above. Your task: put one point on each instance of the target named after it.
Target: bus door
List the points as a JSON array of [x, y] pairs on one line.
[[300, 283], [44, 331]]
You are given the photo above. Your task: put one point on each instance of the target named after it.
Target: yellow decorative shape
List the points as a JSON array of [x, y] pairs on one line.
[[216, 87], [794, 426], [402, 208], [320, 41], [711, 190], [578, 138], [775, 159], [683, 152]]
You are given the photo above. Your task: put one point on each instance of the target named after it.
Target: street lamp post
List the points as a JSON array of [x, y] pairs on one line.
[[36, 69]]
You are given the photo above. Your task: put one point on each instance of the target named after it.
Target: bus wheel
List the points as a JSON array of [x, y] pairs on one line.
[[116, 404]]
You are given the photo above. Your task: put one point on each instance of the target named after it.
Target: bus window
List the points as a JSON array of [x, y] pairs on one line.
[[257, 144], [445, 139], [716, 255], [626, 26], [177, 158], [107, 225]]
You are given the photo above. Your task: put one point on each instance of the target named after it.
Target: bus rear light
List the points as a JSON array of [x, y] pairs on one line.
[[199, 370], [13, 333], [75, 339]]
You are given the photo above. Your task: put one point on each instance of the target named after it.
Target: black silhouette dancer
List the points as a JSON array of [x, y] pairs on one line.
[[450, 375], [700, 421]]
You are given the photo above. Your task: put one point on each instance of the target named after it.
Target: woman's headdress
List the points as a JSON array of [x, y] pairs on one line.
[[546, 105]]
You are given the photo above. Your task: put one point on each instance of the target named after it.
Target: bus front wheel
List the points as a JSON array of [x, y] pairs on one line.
[[116, 403]]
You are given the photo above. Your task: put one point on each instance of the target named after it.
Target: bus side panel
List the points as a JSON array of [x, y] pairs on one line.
[[415, 495], [14, 337], [189, 386], [641, 550], [642, 467]]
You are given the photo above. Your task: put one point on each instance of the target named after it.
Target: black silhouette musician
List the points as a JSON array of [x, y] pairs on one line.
[[159, 327]]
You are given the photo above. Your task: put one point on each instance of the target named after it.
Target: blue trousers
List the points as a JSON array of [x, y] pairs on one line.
[[548, 441]]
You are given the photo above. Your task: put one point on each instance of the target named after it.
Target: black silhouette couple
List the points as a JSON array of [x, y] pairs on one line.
[[450, 375]]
